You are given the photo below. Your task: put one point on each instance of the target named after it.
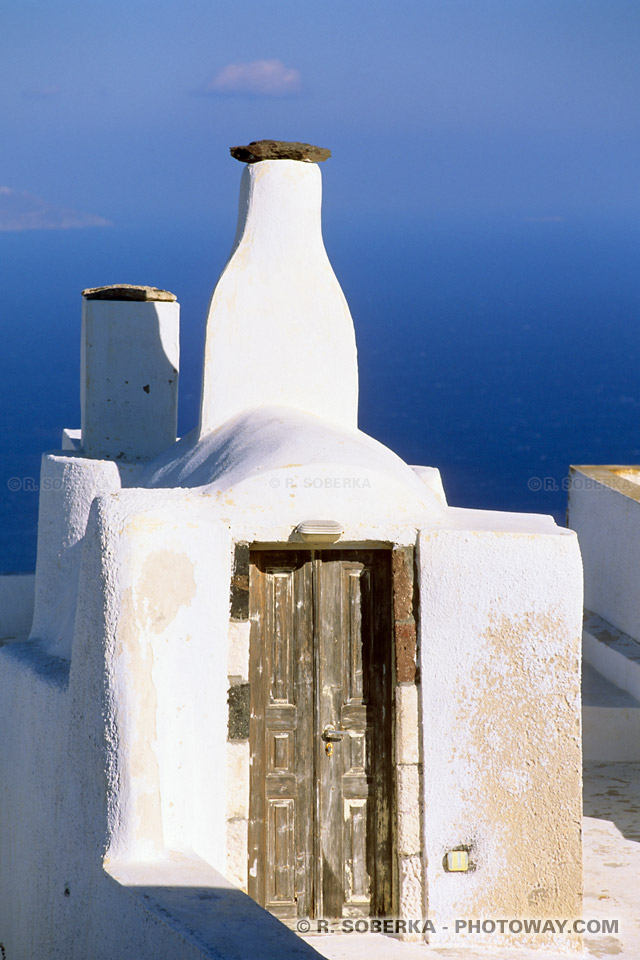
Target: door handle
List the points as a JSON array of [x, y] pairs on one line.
[[330, 733]]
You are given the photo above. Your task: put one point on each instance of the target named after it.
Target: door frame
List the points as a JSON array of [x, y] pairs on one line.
[[409, 868]]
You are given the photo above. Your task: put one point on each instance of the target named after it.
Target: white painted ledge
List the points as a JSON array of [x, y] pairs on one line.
[[71, 439], [497, 521]]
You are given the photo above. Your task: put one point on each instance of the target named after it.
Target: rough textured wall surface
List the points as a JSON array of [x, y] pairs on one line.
[[16, 604], [500, 661], [130, 355], [164, 658], [69, 483]]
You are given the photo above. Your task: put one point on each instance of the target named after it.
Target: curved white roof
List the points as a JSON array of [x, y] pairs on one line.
[[267, 453]]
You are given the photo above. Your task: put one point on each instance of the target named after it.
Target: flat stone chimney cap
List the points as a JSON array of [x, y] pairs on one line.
[[279, 150], [127, 291]]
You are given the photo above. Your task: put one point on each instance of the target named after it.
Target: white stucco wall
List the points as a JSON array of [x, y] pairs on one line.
[[604, 510], [157, 627], [129, 377], [16, 604], [500, 626], [279, 331], [69, 482]]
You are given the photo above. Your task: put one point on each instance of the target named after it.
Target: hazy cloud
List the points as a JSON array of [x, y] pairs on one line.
[[41, 93], [262, 78], [20, 210]]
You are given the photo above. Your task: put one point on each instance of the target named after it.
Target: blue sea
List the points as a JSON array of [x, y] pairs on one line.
[[499, 351]]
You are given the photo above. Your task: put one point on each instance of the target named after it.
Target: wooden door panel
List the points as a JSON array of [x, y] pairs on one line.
[[354, 750], [280, 838], [355, 583], [320, 658], [281, 879], [357, 880], [280, 628]]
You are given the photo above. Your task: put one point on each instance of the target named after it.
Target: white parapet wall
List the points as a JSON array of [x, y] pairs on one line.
[[501, 610], [152, 619], [129, 374], [121, 753], [604, 510]]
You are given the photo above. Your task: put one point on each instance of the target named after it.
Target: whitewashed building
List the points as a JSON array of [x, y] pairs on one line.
[[604, 510], [268, 662]]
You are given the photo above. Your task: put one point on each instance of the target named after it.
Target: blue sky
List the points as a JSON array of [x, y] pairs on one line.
[[508, 108], [481, 209]]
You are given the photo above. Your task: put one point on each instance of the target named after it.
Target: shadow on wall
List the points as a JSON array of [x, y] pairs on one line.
[[34, 656], [612, 792]]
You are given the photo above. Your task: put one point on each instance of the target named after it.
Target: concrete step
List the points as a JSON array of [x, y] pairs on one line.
[[613, 653], [610, 719]]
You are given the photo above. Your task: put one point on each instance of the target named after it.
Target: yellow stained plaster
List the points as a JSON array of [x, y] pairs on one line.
[[142, 722], [166, 584], [525, 759]]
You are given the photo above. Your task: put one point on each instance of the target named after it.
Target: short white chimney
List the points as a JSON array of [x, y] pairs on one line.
[[279, 331], [129, 371]]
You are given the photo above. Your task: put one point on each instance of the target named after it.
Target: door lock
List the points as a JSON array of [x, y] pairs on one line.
[[330, 734]]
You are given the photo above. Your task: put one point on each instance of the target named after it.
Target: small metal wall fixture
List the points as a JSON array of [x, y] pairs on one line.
[[320, 531], [457, 861]]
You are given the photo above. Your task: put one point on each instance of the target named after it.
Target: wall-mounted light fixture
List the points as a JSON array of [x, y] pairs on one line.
[[457, 861], [320, 531]]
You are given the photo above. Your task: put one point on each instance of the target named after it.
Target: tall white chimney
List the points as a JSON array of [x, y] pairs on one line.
[[129, 371], [279, 331]]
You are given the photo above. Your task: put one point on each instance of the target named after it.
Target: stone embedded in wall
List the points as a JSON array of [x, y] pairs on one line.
[[238, 766], [407, 724], [239, 700], [405, 652], [409, 805], [402, 568], [279, 150], [240, 583], [402, 561], [238, 655], [410, 894], [408, 799], [237, 853]]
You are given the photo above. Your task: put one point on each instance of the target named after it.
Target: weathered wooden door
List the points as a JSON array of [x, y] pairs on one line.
[[320, 838]]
